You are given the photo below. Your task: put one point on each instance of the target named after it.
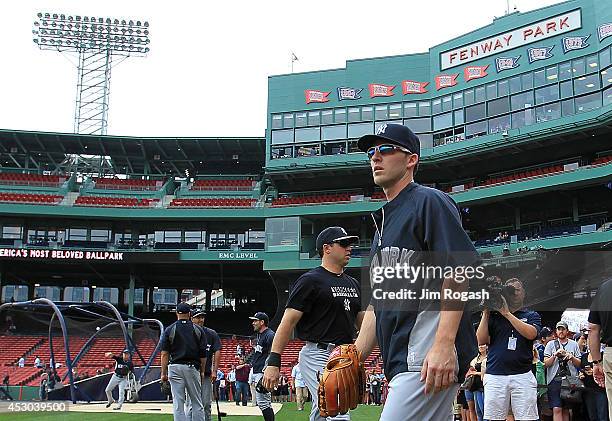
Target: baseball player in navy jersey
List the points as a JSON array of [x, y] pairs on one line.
[[261, 351], [324, 307], [424, 348], [123, 366]]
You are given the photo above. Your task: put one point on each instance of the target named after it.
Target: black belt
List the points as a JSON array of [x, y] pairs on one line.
[[325, 345], [194, 365]]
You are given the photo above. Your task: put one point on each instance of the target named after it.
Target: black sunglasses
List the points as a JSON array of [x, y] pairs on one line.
[[386, 149], [342, 243]]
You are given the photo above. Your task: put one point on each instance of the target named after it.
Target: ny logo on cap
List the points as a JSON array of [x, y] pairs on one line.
[[381, 129]]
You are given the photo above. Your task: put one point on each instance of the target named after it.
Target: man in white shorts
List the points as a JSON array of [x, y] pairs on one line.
[[509, 382]]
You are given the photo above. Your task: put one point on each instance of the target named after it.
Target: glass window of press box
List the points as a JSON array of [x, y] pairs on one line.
[[544, 94], [282, 234]]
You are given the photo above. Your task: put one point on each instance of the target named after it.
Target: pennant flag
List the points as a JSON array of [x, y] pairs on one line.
[[349, 93], [604, 31], [446, 81], [474, 72], [574, 43], [377, 89], [506, 63], [412, 87], [542, 53], [316, 96]]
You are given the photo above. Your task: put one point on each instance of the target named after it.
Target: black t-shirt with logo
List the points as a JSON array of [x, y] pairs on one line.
[[330, 303], [122, 367]]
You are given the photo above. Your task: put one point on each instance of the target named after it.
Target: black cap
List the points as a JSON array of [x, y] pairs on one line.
[[260, 315], [198, 313], [127, 351], [332, 235], [183, 308], [393, 133]]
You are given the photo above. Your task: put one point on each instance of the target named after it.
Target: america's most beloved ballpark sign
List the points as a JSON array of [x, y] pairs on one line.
[[534, 32]]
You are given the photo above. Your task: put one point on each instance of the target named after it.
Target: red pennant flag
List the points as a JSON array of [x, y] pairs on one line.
[[412, 87], [377, 89], [474, 72], [315, 96], [446, 81]]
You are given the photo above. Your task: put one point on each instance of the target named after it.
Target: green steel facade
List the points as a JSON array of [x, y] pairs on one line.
[[526, 79], [526, 72]]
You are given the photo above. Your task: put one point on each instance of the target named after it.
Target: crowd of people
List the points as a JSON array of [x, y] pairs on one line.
[[524, 371]]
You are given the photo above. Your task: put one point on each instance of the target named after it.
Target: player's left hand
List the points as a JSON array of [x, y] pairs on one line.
[[438, 370], [270, 377]]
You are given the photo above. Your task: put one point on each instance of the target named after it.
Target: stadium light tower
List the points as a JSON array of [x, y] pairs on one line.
[[97, 41]]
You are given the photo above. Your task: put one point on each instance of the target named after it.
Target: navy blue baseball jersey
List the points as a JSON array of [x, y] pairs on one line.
[[122, 367], [263, 344], [330, 303], [186, 347], [419, 221]]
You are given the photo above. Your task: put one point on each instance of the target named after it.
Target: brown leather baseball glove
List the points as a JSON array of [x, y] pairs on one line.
[[342, 385]]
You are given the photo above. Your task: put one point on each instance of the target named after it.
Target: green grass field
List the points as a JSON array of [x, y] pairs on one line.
[[287, 413]]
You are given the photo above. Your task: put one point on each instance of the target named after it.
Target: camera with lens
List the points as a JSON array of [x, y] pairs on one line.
[[497, 289]]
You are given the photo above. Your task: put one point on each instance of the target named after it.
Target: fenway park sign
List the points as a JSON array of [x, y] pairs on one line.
[[501, 43], [60, 254]]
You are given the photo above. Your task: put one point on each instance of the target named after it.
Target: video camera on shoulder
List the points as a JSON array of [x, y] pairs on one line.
[[497, 289]]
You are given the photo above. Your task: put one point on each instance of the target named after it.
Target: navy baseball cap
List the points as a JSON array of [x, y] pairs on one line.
[[127, 351], [392, 133], [333, 235], [260, 315], [198, 313], [183, 308]]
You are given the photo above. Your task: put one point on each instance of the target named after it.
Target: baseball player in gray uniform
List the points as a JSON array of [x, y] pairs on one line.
[[261, 351], [425, 348]]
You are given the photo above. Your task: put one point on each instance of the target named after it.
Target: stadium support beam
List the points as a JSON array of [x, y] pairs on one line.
[[131, 294], [575, 209], [208, 299]]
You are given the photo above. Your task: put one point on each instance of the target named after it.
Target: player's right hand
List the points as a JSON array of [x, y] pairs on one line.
[[164, 377], [108, 354], [270, 377]]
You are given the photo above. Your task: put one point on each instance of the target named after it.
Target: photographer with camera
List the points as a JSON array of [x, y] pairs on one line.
[[509, 330], [561, 357]]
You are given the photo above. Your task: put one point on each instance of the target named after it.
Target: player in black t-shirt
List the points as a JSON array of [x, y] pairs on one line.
[[123, 366], [263, 344], [324, 307]]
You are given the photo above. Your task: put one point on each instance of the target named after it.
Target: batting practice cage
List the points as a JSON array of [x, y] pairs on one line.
[[65, 346]]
